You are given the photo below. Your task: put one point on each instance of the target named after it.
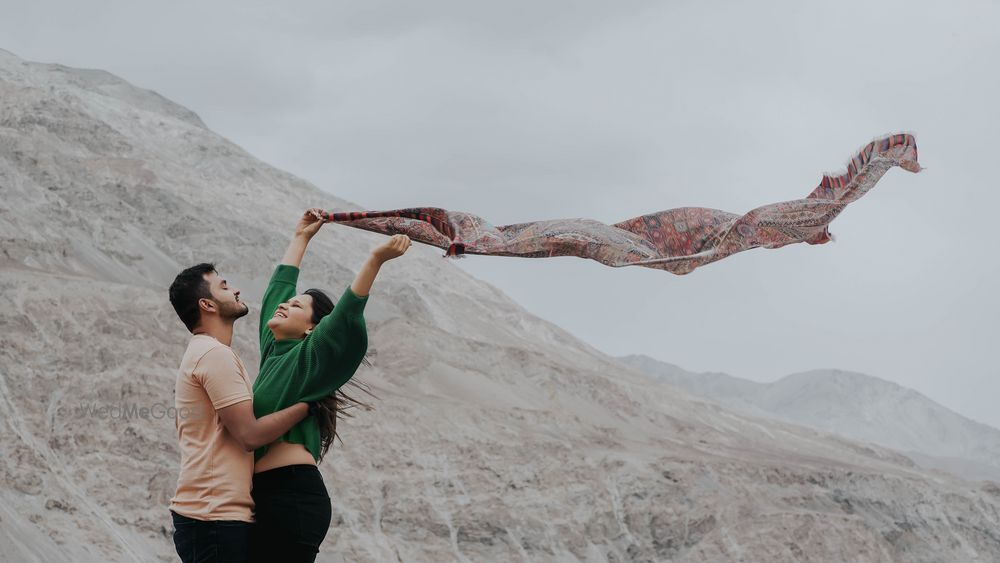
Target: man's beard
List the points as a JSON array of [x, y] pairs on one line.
[[235, 310]]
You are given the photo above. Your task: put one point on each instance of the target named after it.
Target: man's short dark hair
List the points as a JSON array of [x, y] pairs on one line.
[[189, 286]]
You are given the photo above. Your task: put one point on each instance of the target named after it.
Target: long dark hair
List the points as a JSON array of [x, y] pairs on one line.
[[337, 405]]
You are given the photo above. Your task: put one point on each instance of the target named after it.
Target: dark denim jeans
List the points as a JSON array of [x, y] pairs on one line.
[[293, 514], [211, 541]]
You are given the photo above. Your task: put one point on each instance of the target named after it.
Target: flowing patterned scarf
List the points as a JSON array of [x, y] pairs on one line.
[[677, 240]]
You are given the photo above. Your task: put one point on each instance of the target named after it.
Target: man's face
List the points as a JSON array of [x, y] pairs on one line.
[[227, 299]]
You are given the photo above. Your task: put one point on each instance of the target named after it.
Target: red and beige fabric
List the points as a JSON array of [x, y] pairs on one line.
[[677, 240]]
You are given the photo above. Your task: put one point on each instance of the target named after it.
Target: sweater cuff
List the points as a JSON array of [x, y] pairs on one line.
[[285, 274]]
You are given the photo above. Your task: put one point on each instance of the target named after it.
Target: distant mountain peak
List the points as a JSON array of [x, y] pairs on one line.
[[854, 405]]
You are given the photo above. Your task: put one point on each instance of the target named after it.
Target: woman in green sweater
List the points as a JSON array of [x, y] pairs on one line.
[[309, 348]]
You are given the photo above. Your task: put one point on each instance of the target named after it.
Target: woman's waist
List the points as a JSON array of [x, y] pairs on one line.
[[303, 480], [282, 454]]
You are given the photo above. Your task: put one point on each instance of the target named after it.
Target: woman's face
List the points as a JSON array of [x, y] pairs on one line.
[[293, 319]]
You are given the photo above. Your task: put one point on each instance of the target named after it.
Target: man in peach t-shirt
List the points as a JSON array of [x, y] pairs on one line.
[[212, 509]]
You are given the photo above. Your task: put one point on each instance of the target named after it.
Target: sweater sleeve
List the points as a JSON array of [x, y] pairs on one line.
[[335, 348], [280, 288]]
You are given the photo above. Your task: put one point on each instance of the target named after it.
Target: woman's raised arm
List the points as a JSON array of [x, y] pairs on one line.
[[339, 341], [308, 225], [393, 248], [281, 287]]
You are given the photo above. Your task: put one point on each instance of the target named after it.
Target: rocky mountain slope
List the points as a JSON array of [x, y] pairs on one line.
[[854, 405], [497, 436]]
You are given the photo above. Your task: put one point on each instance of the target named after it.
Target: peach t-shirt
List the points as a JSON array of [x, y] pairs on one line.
[[216, 472]]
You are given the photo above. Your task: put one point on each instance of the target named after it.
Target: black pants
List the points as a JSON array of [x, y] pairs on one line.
[[293, 514], [211, 541]]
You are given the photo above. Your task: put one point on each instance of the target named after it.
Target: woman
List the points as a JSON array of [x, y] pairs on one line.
[[308, 351]]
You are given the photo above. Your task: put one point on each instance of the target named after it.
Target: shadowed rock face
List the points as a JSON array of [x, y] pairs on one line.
[[497, 436]]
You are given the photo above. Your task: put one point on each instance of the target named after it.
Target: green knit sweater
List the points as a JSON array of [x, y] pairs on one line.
[[310, 368]]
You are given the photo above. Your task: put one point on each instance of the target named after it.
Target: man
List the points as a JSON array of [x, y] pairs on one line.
[[212, 509]]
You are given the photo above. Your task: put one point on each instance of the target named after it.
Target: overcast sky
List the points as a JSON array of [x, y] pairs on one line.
[[522, 110]]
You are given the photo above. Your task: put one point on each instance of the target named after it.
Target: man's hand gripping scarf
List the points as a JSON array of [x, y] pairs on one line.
[[677, 240]]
